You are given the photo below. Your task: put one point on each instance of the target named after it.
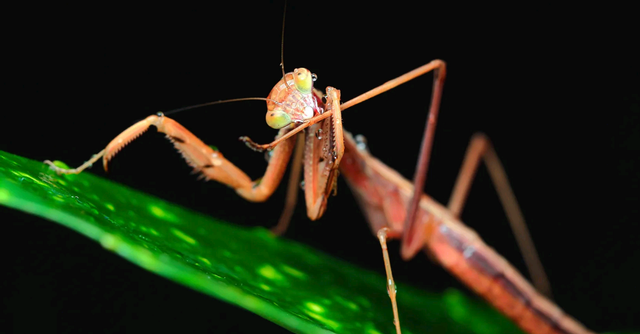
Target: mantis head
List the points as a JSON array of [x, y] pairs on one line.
[[288, 96]]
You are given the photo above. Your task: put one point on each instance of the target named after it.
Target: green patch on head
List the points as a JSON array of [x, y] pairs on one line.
[[277, 118], [303, 80]]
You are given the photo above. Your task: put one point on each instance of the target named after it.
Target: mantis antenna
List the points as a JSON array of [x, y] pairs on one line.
[[220, 102], [284, 14]]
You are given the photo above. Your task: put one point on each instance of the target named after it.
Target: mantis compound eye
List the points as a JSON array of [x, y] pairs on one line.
[[278, 119], [303, 80]]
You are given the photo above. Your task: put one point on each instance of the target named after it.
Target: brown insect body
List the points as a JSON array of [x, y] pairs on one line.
[[384, 196]]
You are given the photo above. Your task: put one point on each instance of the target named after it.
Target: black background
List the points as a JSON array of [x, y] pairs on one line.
[[532, 79]]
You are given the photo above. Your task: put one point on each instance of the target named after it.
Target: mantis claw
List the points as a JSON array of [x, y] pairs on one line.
[[53, 167], [64, 169], [254, 146]]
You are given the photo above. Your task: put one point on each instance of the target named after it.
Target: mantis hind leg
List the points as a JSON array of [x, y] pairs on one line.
[[383, 233], [480, 148]]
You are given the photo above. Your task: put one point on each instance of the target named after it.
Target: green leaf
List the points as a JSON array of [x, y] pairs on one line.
[[286, 282]]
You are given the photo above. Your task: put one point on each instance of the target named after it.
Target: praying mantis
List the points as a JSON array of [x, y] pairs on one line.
[[388, 130]]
